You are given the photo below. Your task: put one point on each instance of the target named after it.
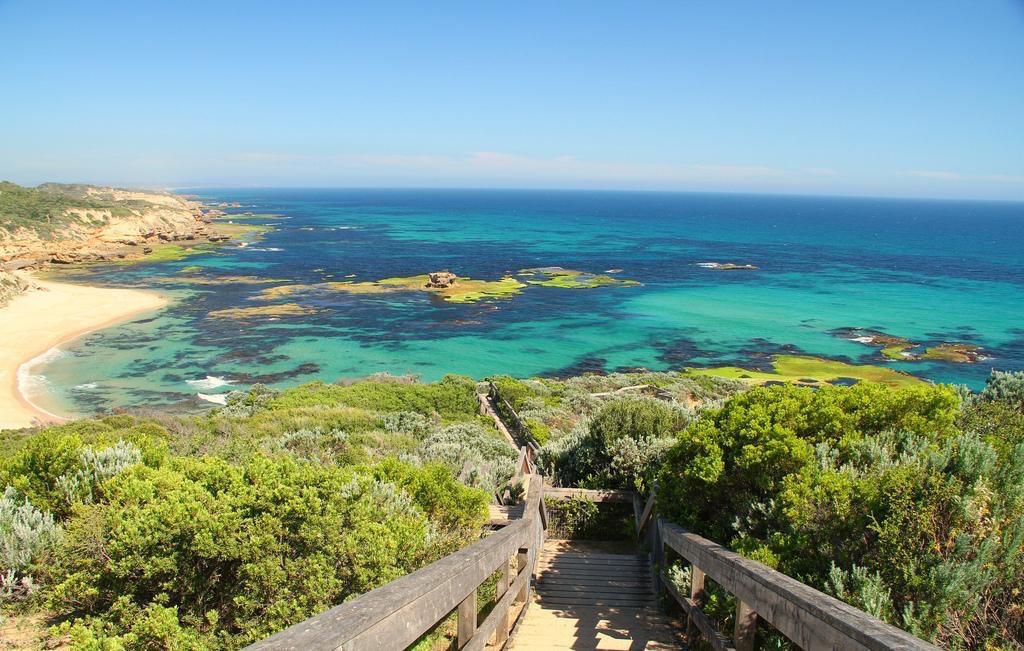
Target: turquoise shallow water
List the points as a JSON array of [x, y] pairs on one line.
[[929, 271]]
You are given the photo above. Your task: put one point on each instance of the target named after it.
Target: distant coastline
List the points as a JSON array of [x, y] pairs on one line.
[[50, 316]]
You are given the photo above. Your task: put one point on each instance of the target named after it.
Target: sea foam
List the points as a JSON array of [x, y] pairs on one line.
[[215, 398], [209, 382]]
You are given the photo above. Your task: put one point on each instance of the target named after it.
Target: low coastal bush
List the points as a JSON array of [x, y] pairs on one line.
[[476, 456], [240, 552], [873, 494], [453, 397], [620, 447], [212, 531]]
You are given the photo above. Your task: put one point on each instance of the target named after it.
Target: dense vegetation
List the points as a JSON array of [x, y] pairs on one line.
[[214, 531], [188, 532], [907, 503]]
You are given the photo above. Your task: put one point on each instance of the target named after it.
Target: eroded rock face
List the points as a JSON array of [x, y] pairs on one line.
[[11, 284], [99, 234], [441, 279]]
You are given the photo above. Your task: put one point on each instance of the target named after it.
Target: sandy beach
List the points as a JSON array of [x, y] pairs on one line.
[[39, 320]]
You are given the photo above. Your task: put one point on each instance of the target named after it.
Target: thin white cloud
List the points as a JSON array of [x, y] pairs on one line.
[[498, 166], [956, 176]]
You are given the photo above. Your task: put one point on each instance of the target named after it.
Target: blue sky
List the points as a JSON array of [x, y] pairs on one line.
[[908, 98]]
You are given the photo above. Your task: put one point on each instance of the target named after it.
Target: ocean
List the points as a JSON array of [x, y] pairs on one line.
[[928, 271]]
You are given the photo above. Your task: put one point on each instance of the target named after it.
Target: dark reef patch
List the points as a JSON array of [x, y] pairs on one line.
[[309, 368], [586, 366]]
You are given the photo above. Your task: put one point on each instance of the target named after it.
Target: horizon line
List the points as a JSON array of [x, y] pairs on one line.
[[758, 193]]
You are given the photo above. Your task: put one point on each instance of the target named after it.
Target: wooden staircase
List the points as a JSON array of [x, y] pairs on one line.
[[594, 596]]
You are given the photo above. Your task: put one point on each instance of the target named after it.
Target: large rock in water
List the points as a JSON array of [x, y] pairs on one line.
[[441, 279]]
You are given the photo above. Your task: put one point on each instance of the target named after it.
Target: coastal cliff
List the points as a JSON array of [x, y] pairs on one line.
[[58, 223]]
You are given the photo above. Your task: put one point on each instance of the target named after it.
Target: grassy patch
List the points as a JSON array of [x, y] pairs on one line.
[[284, 309], [810, 370], [572, 279]]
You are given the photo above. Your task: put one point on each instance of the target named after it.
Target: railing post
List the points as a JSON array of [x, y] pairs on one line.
[[504, 583], [523, 564], [467, 619], [657, 555], [698, 596], [746, 627]]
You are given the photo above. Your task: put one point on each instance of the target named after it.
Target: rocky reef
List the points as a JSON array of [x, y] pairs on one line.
[[903, 349], [444, 284], [453, 288]]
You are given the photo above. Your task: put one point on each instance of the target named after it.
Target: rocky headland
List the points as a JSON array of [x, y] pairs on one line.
[[60, 224]]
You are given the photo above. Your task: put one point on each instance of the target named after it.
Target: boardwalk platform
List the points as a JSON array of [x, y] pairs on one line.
[[594, 596]]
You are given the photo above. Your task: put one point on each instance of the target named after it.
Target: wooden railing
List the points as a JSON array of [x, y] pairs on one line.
[[396, 615], [524, 437], [811, 619]]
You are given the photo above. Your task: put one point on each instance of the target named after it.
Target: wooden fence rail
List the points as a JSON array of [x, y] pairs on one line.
[[395, 615], [524, 437], [809, 618]]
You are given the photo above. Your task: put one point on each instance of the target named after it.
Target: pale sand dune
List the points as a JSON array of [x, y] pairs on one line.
[[39, 320]]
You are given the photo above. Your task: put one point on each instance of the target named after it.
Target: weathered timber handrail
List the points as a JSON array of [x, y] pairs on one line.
[[594, 495], [518, 424], [811, 619], [395, 615], [643, 517]]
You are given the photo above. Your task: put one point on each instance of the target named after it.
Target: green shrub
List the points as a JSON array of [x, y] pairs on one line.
[[476, 456], [46, 465], [621, 447], [1005, 387], [240, 552], [540, 432], [453, 397], [513, 390], [636, 418], [247, 403], [870, 493]]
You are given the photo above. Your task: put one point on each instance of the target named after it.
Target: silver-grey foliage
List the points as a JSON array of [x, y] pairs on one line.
[[97, 466], [26, 534]]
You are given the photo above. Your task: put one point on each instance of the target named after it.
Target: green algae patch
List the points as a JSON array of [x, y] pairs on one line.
[[801, 369], [191, 269], [958, 353], [456, 290], [476, 290], [169, 252], [572, 278], [263, 311], [244, 232]]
